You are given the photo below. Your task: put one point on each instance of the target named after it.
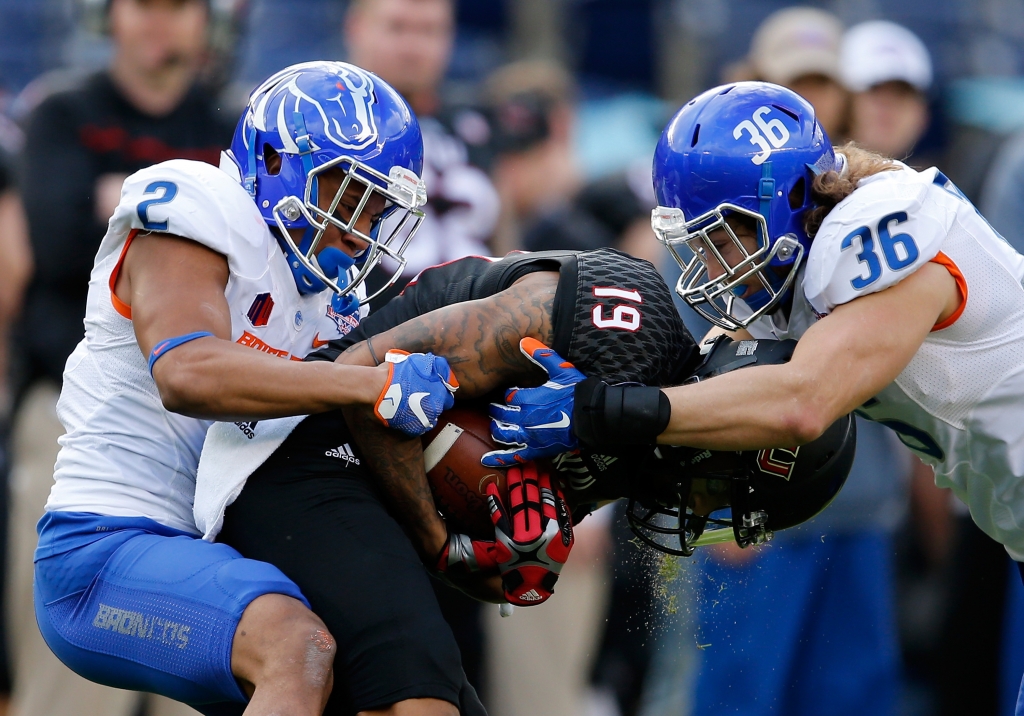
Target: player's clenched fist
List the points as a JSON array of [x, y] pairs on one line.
[[536, 422], [419, 387], [533, 534]]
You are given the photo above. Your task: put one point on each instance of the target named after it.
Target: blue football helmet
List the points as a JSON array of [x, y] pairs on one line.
[[317, 116], [747, 148]]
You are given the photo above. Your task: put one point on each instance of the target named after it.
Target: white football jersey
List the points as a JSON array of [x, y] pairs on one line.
[[959, 403], [123, 453]]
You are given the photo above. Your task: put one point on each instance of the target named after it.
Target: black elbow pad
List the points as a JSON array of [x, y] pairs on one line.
[[613, 415]]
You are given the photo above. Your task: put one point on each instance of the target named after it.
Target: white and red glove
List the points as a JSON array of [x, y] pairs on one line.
[[534, 535], [463, 556]]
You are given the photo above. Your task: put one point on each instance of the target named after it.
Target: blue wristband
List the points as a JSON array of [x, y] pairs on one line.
[[165, 345]]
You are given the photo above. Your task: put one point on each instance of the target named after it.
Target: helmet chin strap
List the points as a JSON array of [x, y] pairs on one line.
[[765, 194], [305, 281], [249, 180], [335, 264], [759, 298]]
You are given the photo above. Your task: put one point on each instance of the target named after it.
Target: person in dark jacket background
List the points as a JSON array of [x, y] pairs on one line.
[[81, 142]]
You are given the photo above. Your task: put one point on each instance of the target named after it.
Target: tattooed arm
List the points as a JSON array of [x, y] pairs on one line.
[[480, 339]]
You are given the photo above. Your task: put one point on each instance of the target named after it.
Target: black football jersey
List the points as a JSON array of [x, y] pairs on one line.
[[613, 314]]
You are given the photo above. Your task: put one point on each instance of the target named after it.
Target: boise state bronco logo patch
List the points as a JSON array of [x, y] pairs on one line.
[[345, 323], [259, 311]]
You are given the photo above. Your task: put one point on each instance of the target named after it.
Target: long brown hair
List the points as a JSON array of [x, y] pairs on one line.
[[829, 188]]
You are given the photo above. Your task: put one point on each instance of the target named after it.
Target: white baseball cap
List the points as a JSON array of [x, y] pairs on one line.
[[882, 51]]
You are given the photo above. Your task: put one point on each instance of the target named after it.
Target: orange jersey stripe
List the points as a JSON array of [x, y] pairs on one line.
[[120, 306], [961, 285]]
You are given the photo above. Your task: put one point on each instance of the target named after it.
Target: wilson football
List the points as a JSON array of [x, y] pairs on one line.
[[451, 453]]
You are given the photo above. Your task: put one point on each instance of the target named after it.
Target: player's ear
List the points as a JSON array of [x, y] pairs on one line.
[[271, 159], [797, 195]]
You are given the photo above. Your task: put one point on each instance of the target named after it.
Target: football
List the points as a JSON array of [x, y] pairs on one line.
[[451, 453]]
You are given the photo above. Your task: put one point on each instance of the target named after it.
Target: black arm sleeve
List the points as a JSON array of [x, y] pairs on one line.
[[465, 279], [648, 343], [615, 320]]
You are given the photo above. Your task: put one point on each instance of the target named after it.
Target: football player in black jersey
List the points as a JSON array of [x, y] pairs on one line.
[[329, 506], [345, 509]]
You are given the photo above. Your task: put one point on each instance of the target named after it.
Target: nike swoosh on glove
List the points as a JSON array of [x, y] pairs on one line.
[[419, 387], [535, 422], [533, 536]]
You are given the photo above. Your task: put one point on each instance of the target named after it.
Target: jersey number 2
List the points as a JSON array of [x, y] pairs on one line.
[[170, 190], [889, 243]]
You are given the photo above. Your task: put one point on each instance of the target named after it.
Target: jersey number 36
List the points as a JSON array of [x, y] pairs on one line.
[[898, 250]]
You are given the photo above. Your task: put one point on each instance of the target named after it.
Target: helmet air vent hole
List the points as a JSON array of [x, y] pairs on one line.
[[727, 90], [796, 194], [696, 134], [787, 111], [271, 160]]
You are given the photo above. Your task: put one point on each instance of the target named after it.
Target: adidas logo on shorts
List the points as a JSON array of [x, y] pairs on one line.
[[603, 462], [343, 452], [248, 428], [531, 596]]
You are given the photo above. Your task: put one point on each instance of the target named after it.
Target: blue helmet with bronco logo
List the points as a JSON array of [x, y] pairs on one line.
[[318, 116]]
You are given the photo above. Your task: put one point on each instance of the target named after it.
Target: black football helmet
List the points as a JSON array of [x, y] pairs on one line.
[[767, 490]]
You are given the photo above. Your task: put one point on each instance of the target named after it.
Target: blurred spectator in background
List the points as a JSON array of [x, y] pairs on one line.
[[889, 71], [1002, 192], [545, 203], [15, 263], [798, 48], [532, 109], [15, 269], [409, 43], [80, 145]]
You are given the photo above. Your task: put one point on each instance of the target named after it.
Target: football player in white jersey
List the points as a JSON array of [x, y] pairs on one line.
[[208, 289], [907, 304]]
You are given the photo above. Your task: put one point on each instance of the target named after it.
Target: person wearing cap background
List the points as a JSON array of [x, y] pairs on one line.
[[889, 71], [532, 109], [798, 48], [147, 106]]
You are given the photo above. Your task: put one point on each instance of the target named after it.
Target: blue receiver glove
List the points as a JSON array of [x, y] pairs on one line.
[[420, 386], [535, 422]]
